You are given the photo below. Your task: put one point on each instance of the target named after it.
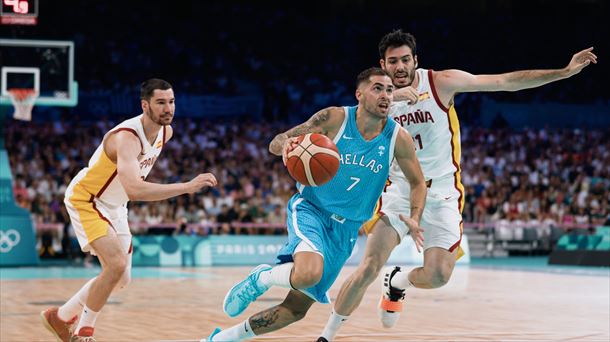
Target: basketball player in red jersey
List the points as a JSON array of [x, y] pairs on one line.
[[424, 106], [97, 198]]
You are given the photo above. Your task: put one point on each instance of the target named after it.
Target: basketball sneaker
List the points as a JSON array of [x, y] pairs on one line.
[[245, 292], [84, 334], [392, 299], [60, 329], [214, 333]]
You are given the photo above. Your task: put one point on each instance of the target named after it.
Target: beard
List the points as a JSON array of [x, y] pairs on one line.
[[374, 110], [156, 118], [406, 81]]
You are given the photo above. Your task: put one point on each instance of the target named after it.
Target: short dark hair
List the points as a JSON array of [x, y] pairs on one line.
[[366, 74], [396, 39], [147, 88]]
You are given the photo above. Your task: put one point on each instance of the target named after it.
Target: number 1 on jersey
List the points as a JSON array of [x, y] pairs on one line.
[[356, 181], [417, 140]]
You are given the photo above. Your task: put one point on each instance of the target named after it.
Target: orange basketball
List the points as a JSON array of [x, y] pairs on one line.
[[315, 161]]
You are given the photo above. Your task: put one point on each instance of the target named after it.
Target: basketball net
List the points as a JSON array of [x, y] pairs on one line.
[[23, 100]]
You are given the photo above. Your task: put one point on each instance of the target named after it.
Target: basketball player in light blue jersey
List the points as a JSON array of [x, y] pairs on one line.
[[323, 222]]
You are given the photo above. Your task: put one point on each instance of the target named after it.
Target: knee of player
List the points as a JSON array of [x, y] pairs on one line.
[[116, 267], [307, 276], [371, 266], [125, 280], [441, 276], [311, 279]]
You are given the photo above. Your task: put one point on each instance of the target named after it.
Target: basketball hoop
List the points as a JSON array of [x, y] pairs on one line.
[[23, 100]]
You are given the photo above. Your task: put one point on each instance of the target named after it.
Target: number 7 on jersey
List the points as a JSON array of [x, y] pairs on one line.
[[356, 181]]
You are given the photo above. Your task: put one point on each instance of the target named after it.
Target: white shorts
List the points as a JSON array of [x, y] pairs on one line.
[[441, 219], [91, 219]]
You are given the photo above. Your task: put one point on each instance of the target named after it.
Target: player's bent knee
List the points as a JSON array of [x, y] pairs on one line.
[[369, 269], [372, 265], [116, 268], [441, 276], [306, 280], [307, 275], [124, 281]]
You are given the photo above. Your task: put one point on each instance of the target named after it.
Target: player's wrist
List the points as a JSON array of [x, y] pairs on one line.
[[416, 218], [184, 187]]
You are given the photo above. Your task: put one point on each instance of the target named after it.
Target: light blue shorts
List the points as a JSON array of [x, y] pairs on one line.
[[331, 236]]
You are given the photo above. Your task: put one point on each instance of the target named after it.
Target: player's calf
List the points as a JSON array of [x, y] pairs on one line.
[[369, 269]]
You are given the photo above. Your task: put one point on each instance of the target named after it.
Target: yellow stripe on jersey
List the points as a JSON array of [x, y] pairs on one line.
[[99, 176], [94, 224], [368, 225], [454, 126]]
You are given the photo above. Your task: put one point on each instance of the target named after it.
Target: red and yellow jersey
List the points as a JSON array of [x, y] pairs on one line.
[[99, 179]]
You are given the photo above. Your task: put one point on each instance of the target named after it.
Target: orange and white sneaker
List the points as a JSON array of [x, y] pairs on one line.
[[84, 334], [60, 329], [392, 299]]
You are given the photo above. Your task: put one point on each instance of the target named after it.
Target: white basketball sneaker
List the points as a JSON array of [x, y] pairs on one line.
[[390, 305]]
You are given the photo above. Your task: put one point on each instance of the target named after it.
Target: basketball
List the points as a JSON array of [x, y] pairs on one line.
[[314, 161]]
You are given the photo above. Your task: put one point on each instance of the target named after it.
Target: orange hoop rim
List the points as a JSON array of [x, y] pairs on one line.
[[22, 94]]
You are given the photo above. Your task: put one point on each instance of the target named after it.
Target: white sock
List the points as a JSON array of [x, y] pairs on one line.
[[239, 332], [401, 281], [87, 319], [277, 276], [335, 321], [74, 305]]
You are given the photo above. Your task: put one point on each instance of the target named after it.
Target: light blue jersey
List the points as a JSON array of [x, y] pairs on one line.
[[363, 171], [327, 218]]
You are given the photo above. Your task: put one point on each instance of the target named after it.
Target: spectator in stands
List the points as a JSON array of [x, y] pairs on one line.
[[226, 216], [500, 173]]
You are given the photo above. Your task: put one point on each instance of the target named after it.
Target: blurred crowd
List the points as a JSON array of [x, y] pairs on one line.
[[253, 184], [536, 178], [559, 177]]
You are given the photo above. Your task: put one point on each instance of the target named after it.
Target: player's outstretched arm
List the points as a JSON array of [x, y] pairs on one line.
[[450, 82], [404, 152], [128, 171], [327, 122]]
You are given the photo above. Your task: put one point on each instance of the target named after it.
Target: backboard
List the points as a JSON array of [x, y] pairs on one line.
[[44, 65]]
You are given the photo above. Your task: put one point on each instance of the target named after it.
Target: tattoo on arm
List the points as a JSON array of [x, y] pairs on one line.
[[313, 125]]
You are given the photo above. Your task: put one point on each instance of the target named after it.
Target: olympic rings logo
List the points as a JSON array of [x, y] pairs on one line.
[[8, 240]]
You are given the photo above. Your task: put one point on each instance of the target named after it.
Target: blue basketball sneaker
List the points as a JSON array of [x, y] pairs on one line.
[[245, 292], [210, 338]]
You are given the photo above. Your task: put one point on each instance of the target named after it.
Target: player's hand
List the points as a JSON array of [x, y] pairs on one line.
[[416, 232], [408, 94], [289, 145], [202, 180], [580, 60]]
